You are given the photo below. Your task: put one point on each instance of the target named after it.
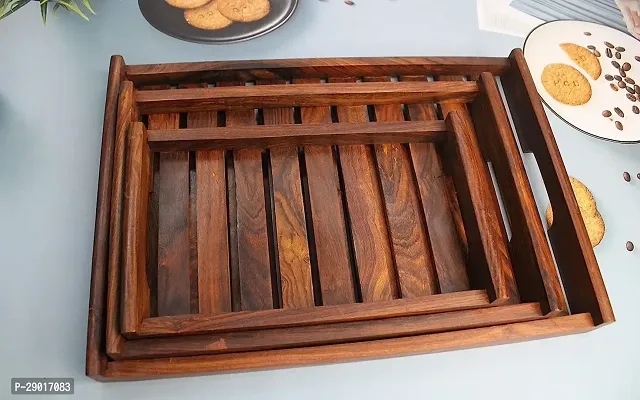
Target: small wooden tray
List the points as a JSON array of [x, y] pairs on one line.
[[256, 208]]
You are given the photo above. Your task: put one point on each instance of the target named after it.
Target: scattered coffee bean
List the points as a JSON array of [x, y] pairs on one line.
[[609, 45], [626, 66], [637, 58], [629, 246], [638, 176], [622, 85], [608, 77], [629, 81], [606, 113], [626, 176], [622, 73], [596, 53], [615, 64], [619, 112], [618, 78], [619, 125], [618, 55], [630, 90], [635, 110], [349, 2], [636, 88], [587, 33], [591, 47], [620, 49], [608, 52], [631, 97], [613, 86]]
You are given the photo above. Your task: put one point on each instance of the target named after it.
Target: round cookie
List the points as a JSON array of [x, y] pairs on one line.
[[207, 17], [584, 58], [566, 84], [244, 10], [187, 3]]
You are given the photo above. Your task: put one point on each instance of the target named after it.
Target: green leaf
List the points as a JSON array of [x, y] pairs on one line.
[[88, 5], [72, 6], [44, 7], [13, 7]]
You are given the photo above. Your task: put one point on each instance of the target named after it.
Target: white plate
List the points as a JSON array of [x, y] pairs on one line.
[[542, 47]]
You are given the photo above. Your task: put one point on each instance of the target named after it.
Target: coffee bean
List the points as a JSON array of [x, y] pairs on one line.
[[626, 66], [621, 84], [606, 113], [630, 90], [618, 78], [626, 176], [587, 33], [635, 110], [609, 45], [591, 47], [613, 86], [596, 53], [622, 73], [608, 52], [620, 49], [608, 77], [615, 64], [638, 176], [629, 81], [618, 55], [637, 58], [636, 88], [629, 246], [619, 125], [631, 97], [619, 112]]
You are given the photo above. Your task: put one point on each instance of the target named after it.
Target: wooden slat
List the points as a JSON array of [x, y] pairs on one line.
[[329, 334], [214, 290], [96, 360], [371, 242], [411, 247], [252, 241], [419, 344], [290, 220], [489, 258], [248, 320], [440, 215], [135, 289], [207, 99], [330, 235], [574, 255], [262, 136], [311, 68], [533, 265]]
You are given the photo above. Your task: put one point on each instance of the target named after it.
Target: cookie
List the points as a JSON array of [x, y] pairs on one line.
[[187, 3], [566, 84], [583, 58], [207, 17], [244, 10]]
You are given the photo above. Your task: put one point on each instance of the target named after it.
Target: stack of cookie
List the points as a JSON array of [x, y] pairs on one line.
[[218, 14]]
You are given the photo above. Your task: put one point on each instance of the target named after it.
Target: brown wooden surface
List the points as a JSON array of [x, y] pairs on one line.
[[489, 259], [311, 68], [214, 285], [346, 93], [572, 249], [330, 333], [329, 229], [96, 360], [371, 242], [262, 136], [533, 265], [440, 214], [411, 246], [254, 266], [419, 344], [135, 289], [189, 324]]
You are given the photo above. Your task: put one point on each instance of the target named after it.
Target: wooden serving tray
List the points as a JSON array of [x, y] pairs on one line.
[[256, 214]]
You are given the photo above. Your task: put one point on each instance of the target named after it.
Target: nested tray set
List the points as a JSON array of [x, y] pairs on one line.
[[260, 214]]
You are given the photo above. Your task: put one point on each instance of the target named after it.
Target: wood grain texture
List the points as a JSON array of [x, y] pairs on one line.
[[419, 344], [135, 289], [214, 285], [365, 205], [533, 265], [489, 257], [446, 246], [96, 360], [263, 136], [208, 99], [211, 71], [251, 320], [347, 332], [290, 219], [574, 255], [330, 232], [411, 246], [254, 266]]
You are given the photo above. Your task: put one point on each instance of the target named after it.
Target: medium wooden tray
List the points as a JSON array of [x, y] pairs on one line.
[[255, 209]]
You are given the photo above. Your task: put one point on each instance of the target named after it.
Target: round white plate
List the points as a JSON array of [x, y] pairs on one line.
[[542, 47]]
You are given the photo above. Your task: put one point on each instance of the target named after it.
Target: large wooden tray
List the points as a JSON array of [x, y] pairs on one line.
[[256, 214]]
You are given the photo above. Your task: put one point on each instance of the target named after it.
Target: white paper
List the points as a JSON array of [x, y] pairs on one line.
[[498, 16]]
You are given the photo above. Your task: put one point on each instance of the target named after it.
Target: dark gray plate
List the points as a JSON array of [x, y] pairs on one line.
[[170, 20]]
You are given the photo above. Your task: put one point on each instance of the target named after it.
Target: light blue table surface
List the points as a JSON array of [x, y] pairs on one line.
[[52, 89]]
